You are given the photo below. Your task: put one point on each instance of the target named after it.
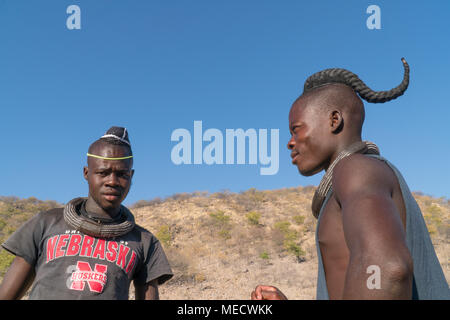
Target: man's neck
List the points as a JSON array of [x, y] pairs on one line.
[[95, 210], [341, 146]]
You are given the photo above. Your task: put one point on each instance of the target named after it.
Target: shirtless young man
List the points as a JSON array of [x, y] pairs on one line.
[[367, 217]]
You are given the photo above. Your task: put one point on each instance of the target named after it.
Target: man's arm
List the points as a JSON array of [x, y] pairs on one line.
[[373, 230], [17, 280], [148, 291]]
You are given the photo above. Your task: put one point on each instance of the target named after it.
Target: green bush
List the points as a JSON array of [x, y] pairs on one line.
[[225, 233], [164, 235], [294, 249], [253, 217], [290, 237], [221, 222], [282, 226], [219, 217], [299, 219], [264, 255]]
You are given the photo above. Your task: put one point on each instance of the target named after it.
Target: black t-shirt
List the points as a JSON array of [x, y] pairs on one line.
[[72, 265]]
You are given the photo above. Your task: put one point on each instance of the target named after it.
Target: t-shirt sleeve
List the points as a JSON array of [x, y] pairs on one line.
[[156, 265], [25, 241]]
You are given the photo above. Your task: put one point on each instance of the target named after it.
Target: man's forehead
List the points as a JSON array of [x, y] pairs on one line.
[[110, 164], [298, 110], [310, 106], [109, 151]]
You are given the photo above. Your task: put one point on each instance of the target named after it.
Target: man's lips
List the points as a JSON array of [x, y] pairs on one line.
[[294, 156], [111, 196]]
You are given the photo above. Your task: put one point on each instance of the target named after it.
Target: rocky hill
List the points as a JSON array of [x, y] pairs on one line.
[[222, 245]]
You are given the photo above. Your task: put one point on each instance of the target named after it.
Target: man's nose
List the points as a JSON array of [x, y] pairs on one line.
[[291, 143], [113, 180]]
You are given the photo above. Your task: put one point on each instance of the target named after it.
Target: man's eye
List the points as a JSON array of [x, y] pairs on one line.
[[103, 174]]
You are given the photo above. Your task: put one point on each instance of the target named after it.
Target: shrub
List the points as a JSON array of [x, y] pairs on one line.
[[164, 235], [299, 219], [290, 238], [219, 217], [264, 255], [282, 226], [225, 233], [294, 249], [253, 217], [221, 222]]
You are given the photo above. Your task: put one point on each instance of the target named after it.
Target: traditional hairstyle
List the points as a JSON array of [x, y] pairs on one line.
[[337, 75], [115, 136]]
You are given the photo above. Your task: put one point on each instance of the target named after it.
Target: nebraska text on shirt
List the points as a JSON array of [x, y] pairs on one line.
[[69, 245]]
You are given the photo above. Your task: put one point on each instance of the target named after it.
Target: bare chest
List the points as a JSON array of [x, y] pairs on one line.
[[333, 248]]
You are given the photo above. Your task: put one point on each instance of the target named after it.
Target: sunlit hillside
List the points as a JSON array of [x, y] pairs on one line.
[[222, 245]]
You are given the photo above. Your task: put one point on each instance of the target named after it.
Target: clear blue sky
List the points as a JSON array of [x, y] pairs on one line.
[[155, 66]]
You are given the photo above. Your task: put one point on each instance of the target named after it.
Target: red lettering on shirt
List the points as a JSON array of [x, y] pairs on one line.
[[96, 279], [121, 260], [51, 248], [74, 245], [62, 241], [86, 247], [99, 251], [132, 261], [112, 251]]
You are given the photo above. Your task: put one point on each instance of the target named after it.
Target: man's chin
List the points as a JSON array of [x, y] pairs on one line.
[[109, 206], [307, 172]]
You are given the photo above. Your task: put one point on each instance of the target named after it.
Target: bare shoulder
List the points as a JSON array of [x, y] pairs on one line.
[[361, 174]]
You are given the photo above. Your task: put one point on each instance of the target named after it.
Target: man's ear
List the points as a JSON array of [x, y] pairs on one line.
[[336, 121], [85, 172]]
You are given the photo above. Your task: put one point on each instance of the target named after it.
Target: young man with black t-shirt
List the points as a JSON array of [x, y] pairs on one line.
[[91, 248]]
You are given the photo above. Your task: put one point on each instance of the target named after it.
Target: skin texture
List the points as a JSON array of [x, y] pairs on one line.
[[363, 223], [105, 178]]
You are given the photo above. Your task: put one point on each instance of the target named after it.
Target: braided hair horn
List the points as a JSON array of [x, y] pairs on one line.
[[338, 75]]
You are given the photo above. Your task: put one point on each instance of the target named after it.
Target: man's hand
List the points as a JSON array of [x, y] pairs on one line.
[[267, 293]]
